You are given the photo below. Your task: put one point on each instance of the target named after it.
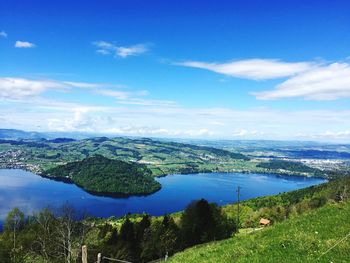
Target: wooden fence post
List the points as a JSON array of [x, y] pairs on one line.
[[84, 254], [99, 258]]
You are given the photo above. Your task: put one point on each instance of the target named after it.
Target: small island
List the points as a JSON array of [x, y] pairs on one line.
[[100, 175]]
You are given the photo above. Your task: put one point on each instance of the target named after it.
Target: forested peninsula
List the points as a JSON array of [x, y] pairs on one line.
[[101, 175]]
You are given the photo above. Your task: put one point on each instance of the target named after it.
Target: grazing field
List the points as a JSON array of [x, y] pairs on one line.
[[305, 238]]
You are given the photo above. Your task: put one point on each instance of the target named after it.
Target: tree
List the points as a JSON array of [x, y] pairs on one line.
[[141, 227], [202, 222], [127, 247], [45, 226], [197, 223], [69, 232], [169, 236], [14, 223], [113, 239], [127, 231], [151, 242], [104, 230]]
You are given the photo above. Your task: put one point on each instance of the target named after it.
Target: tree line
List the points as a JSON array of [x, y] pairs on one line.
[[57, 236]]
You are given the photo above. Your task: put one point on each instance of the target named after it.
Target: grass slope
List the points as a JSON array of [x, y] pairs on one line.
[[301, 239]]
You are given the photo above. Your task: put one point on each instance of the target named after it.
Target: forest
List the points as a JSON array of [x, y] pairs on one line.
[[57, 235], [290, 166], [99, 174]]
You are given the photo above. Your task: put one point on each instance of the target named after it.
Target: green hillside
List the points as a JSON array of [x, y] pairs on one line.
[[304, 238], [161, 157]]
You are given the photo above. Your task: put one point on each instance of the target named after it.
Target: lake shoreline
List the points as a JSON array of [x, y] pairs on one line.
[[30, 192], [123, 195]]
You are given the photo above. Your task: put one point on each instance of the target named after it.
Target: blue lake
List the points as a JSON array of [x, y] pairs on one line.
[[30, 192]]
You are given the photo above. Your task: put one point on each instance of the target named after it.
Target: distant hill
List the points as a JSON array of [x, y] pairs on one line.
[[12, 134], [161, 157], [61, 140]]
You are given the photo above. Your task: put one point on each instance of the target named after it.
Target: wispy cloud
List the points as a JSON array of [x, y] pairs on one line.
[[256, 69], [134, 97], [107, 48], [329, 135], [24, 44], [131, 50], [3, 34], [328, 82], [307, 80], [246, 133], [156, 131], [336, 134], [26, 104], [21, 88], [118, 94]]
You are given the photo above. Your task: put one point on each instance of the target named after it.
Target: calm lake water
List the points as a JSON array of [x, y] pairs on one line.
[[30, 192]]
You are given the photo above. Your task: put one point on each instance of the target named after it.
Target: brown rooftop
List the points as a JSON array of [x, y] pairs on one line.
[[264, 221]]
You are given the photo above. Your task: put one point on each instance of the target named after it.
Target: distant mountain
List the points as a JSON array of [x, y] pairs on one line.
[[12, 134], [61, 140]]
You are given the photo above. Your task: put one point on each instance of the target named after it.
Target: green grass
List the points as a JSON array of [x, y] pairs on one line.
[[301, 239]]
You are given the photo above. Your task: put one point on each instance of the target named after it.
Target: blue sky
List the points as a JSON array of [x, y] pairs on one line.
[[206, 69]]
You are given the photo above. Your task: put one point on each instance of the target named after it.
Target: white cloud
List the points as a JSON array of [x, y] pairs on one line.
[[131, 50], [120, 95], [170, 121], [85, 84], [106, 48], [328, 135], [22, 106], [21, 88], [3, 34], [133, 98], [245, 133], [308, 80], [104, 45], [24, 44], [240, 133], [103, 52], [148, 102], [336, 134], [256, 69], [199, 133], [328, 82]]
